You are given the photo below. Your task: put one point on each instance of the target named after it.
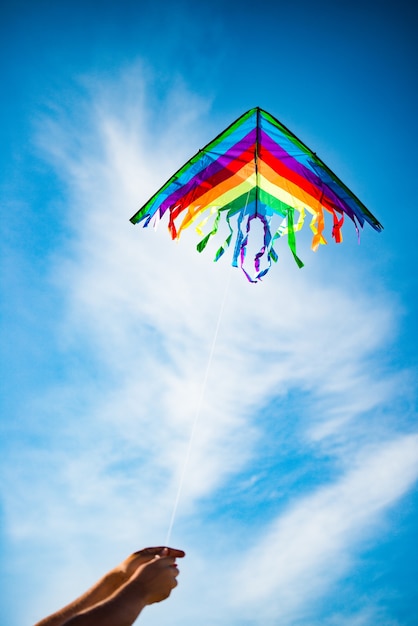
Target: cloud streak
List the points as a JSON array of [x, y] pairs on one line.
[[307, 549]]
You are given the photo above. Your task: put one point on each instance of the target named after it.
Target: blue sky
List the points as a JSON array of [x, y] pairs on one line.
[[299, 504]]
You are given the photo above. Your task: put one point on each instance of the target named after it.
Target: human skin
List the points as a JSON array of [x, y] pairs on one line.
[[145, 577]]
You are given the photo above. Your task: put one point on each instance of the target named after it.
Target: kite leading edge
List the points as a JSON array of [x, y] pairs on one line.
[[255, 171]]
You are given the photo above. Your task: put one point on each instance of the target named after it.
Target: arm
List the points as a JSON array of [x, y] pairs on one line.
[[152, 582], [112, 582]]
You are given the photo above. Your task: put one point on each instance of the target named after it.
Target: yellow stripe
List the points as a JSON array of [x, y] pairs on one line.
[[215, 199], [310, 204]]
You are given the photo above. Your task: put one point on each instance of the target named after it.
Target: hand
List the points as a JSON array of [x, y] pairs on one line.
[[155, 579], [129, 566], [145, 577]]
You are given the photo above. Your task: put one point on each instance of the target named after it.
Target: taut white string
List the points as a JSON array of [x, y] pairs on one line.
[[198, 411]]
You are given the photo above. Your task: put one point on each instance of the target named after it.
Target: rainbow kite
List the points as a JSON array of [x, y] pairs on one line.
[[255, 170]]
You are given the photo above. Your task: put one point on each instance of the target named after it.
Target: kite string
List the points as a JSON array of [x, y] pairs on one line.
[[198, 410]]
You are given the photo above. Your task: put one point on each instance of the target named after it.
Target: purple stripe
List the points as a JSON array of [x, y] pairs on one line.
[[212, 169], [293, 164]]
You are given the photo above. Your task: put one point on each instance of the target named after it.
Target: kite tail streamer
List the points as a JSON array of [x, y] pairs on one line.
[[203, 242], [336, 229], [291, 236], [197, 413], [260, 254], [289, 228], [317, 227], [227, 241]]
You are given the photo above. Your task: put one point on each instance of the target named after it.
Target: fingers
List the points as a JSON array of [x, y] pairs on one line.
[[160, 551], [168, 563], [156, 578]]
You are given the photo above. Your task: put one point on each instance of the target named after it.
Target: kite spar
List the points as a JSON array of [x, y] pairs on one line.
[[255, 171]]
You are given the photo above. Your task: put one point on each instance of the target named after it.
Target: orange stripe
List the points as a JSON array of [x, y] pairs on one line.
[[293, 189], [209, 198]]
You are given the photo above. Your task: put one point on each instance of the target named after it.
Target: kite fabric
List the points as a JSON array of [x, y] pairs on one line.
[[256, 172]]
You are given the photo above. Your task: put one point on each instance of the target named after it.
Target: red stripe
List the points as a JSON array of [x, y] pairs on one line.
[[301, 181], [210, 183]]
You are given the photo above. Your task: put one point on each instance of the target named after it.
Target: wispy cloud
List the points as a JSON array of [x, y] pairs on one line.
[[308, 548]]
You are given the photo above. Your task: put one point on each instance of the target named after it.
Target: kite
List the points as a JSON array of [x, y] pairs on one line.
[[255, 173]]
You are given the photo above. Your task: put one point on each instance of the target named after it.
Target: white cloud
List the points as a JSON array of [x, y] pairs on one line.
[[307, 549]]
